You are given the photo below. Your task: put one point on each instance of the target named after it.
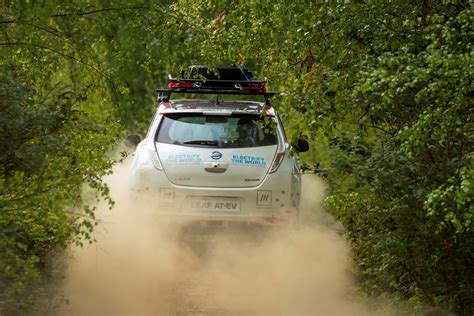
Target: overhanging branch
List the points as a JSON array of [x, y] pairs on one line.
[[83, 13], [54, 51]]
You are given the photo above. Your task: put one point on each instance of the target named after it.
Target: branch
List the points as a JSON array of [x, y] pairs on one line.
[[47, 29], [83, 13], [54, 51], [40, 46], [8, 22]]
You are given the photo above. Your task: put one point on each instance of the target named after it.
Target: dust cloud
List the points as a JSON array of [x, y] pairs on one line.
[[143, 266]]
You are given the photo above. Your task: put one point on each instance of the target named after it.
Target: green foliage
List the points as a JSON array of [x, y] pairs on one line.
[[382, 89], [57, 124]]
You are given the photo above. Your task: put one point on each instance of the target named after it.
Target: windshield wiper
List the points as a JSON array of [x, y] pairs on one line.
[[202, 142]]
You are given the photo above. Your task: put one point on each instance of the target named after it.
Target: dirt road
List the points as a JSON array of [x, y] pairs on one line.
[[141, 266]]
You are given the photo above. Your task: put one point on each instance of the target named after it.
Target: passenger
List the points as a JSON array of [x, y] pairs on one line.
[[248, 133]]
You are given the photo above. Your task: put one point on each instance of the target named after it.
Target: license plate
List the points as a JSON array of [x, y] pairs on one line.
[[216, 205]]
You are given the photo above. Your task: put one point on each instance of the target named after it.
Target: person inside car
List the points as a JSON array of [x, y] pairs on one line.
[[248, 133]]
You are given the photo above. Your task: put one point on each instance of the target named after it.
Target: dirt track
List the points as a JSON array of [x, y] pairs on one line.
[[144, 266]]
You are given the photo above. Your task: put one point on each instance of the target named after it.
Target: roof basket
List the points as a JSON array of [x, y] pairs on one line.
[[205, 80]]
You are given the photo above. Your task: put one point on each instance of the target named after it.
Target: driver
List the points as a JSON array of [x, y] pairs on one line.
[[248, 133]]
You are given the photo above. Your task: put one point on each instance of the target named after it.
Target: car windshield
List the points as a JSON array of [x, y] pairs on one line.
[[236, 131]]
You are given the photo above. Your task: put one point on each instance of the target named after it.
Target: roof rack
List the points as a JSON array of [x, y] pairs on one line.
[[203, 80]]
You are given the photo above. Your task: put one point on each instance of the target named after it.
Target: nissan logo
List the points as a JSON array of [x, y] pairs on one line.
[[216, 155]]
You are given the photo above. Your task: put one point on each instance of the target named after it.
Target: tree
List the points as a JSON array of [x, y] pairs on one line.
[[382, 89], [387, 89]]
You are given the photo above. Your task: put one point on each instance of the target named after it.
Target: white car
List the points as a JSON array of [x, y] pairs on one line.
[[217, 160]]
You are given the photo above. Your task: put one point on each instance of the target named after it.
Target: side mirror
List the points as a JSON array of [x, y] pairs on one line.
[[302, 145], [133, 140]]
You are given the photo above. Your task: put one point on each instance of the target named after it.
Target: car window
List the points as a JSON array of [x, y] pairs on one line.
[[236, 131]]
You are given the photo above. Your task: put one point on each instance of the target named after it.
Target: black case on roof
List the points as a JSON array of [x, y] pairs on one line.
[[227, 73]]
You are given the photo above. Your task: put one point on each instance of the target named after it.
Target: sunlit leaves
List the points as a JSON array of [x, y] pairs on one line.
[[385, 90], [58, 124], [382, 89]]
